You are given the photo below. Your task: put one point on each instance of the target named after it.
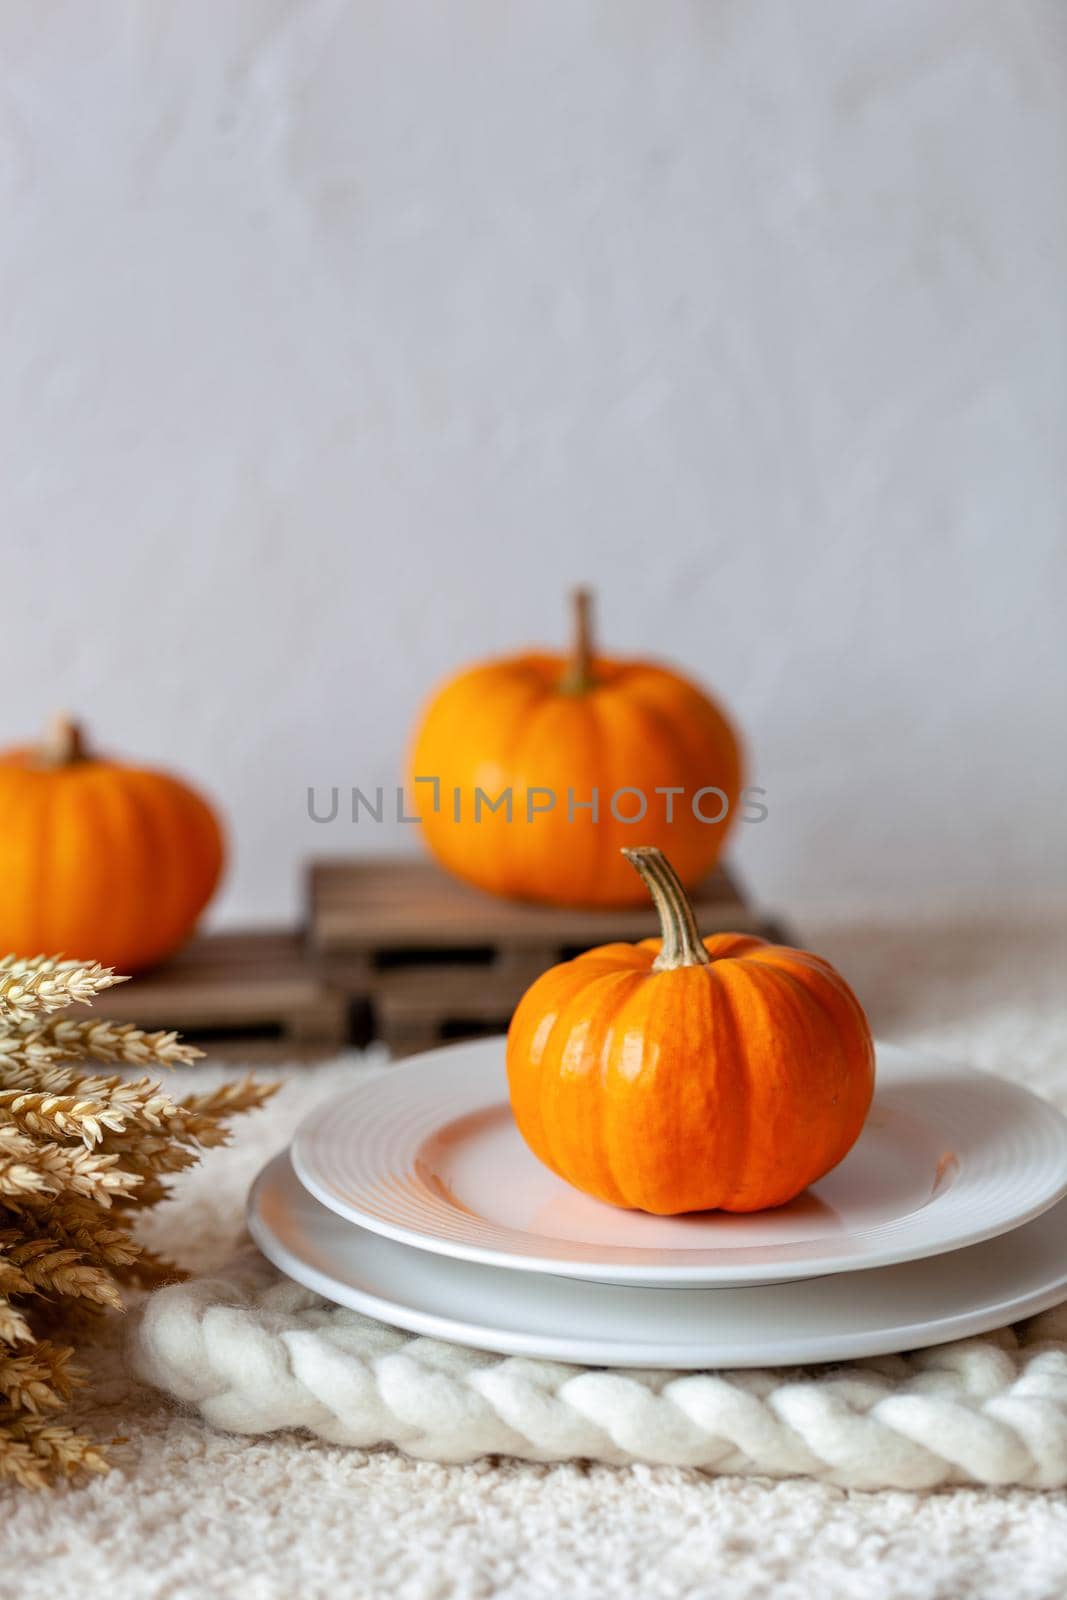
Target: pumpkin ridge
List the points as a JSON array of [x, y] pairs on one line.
[[723, 1012], [556, 752], [803, 996], [80, 819], [152, 802], [16, 788], [770, 958], [72, 790], [781, 971], [636, 721], [835, 983], [56, 818], [751, 945], [620, 1177], [18, 784], [770, 955], [594, 717], [211, 857], [592, 1151], [548, 996], [508, 877], [133, 862], [758, 987], [41, 823], [524, 1070], [530, 734], [655, 680], [700, 728], [668, 1114], [840, 990], [612, 956], [617, 1029], [669, 734], [470, 696], [839, 986], [20, 842], [17, 835]]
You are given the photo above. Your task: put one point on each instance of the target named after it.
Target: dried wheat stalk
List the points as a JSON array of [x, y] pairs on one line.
[[80, 1153]]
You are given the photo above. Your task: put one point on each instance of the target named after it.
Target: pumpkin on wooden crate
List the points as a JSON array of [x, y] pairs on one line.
[[682, 1074], [98, 858], [510, 754]]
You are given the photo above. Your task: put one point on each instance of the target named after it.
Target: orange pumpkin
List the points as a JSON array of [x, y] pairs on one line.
[[552, 732], [687, 1075], [102, 861]]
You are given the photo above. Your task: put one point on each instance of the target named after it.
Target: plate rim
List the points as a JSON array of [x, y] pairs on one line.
[[675, 1276], [809, 1349]]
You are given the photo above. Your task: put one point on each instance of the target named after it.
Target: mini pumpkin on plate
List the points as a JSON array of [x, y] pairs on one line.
[[100, 859], [684, 1074]]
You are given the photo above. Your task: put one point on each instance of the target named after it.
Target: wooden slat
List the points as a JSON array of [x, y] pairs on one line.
[[478, 996], [380, 904], [234, 981]]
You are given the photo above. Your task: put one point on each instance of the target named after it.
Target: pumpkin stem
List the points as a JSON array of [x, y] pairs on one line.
[[578, 677], [63, 743], [682, 945]]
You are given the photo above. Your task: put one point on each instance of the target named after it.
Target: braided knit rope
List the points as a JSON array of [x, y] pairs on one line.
[[253, 1353]]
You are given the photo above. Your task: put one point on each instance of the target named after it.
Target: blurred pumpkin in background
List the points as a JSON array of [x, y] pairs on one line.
[[100, 860], [551, 729]]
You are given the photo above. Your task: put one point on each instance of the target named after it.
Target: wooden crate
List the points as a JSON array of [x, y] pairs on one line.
[[425, 958], [394, 949], [253, 996]]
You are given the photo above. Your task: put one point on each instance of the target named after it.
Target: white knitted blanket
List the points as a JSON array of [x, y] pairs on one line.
[[287, 1512], [255, 1353]]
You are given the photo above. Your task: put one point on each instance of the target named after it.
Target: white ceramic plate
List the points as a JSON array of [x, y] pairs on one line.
[[834, 1319], [429, 1154]]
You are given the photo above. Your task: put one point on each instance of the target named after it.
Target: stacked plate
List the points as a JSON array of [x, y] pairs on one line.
[[413, 1199]]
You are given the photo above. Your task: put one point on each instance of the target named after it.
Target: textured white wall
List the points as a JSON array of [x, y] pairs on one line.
[[339, 338]]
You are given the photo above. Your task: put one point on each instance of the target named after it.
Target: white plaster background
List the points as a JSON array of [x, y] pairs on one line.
[[339, 338]]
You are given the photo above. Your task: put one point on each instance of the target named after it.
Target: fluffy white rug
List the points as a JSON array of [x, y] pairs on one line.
[[191, 1511]]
